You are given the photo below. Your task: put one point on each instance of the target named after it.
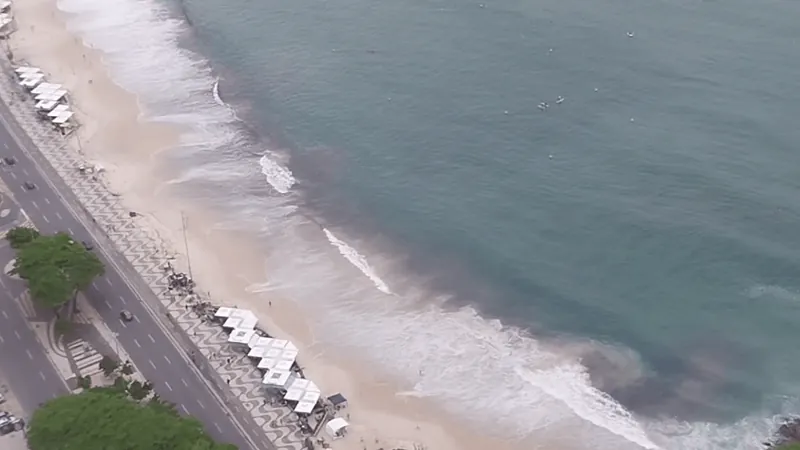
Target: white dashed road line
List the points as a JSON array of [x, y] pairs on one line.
[[47, 200], [16, 333], [168, 361], [201, 404], [184, 382], [151, 338], [41, 374], [30, 356], [167, 385], [5, 315], [136, 342], [151, 363], [45, 218], [59, 216], [35, 205], [122, 299]]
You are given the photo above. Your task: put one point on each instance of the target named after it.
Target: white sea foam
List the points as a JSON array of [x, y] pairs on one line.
[[358, 260], [475, 367], [139, 39]]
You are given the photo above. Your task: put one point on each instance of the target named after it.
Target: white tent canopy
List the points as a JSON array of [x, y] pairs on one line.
[[5, 6], [46, 105], [249, 320], [307, 402], [241, 336], [258, 352], [52, 95], [27, 69], [278, 379], [63, 117], [258, 342], [273, 364], [32, 80], [336, 427], [224, 311], [232, 322], [300, 388], [45, 87], [58, 110]]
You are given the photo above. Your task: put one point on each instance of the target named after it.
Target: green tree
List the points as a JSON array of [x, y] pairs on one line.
[[100, 420], [56, 268], [19, 236], [108, 365], [127, 368], [137, 391]]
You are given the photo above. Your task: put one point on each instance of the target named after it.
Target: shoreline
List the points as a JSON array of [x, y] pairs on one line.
[[110, 120]]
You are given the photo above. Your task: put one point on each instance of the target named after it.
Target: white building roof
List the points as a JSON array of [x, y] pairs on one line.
[[249, 320], [289, 355], [305, 385], [294, 394], [241, 336], [223, 311]]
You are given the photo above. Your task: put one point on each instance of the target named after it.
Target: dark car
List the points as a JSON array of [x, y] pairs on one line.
[[125, 315], [28, 186], [87, 245], [9, 161]]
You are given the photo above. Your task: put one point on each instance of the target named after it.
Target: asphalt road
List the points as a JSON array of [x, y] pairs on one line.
[[157, 356], [23, 362]]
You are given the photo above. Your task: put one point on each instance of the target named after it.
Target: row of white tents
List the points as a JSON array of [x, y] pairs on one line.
[[51, 98], [276, 357]]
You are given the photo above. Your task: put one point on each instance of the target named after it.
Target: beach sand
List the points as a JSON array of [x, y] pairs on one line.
[[223, 263]]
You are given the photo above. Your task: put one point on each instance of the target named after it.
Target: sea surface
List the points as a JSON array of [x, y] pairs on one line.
[[620, 269]]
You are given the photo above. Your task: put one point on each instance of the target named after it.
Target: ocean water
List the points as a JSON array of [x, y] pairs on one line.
[[619, 268]]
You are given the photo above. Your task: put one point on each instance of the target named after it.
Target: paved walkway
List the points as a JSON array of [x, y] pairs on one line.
[[148, 258]]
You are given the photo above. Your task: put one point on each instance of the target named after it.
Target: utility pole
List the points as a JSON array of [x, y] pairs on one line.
[[186, 244]]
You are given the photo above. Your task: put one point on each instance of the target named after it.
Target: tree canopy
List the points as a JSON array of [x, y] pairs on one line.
[[19, 236], [56, 268], [102, 418]]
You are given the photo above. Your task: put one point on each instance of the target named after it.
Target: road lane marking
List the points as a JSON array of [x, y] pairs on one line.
[[185, 411], [35, 205], [109, 282], [17, 334], [136, 342], [41, 374], [123, 323], [107, 304], [45, 218], [168, 361], [12, 175], [151, 363], [71, 233], [59, 216], [168, 386], [47, 200], [2, 340], [136, 318], [25, 171], [5, 315], [220, 429], [151, 338], [122, 299], [184, 382], [30, 356], [201, 404]]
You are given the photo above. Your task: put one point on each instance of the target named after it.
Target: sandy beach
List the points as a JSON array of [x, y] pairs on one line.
[[223, 263]]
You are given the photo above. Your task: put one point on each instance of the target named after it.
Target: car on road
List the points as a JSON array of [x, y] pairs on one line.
[[28, 186], [125, 315], [10, 161], [87, 245]]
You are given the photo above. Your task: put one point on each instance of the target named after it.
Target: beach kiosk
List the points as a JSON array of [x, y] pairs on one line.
[[24, 71], [275, 364], [223, 313], [63, 118], [336, 428], [52, 95], [231, 323]]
